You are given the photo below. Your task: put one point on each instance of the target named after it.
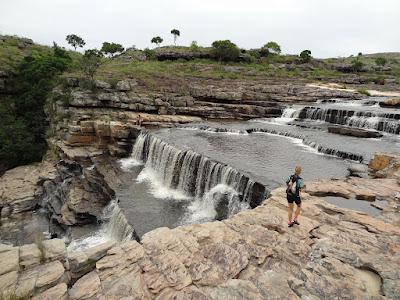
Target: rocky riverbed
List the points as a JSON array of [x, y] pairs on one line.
[[334, 253]]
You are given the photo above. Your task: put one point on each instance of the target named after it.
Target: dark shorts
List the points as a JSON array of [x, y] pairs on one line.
[[293, 198]]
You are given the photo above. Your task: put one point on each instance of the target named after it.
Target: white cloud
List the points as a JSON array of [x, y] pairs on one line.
[[326, 27]]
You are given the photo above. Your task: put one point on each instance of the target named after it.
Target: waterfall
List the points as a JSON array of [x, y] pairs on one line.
[[193, 175], [387, 122], [114, 228], [117, 227]]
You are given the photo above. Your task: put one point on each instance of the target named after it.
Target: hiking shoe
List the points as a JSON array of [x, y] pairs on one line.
[[290, 224], [295, 222]]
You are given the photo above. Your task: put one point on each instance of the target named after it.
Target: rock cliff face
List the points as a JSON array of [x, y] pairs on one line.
[[334, 254]]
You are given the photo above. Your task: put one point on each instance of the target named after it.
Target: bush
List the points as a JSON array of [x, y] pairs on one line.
[[23, 121], [381, 61], [90, 62], [194, 47], [305, 56], [150, 54], [364, 92], [225, 51], [357, 65]]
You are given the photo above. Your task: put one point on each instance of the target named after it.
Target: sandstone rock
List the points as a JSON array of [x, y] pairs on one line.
[[356, 132], [234, 289], [86, 287], [8, 282], [385, 165], [49, 275], [58, 292], [391, 103], [9, 260], [29, 256], [54, 249], [84, 261]]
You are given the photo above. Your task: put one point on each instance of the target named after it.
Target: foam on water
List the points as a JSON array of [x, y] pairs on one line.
[[128, 163], [157, 188]]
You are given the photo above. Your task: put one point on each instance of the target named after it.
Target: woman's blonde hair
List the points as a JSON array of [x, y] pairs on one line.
[[297, 170]]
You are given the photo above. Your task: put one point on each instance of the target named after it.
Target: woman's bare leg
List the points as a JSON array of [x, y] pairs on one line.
[[290, 212]]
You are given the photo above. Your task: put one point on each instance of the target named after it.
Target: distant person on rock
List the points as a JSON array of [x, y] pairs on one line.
[[295, 186]]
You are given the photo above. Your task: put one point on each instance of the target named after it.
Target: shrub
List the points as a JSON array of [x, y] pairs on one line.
[[150, 54], [90, 62], [381, 61], [270, 48], [194, 47], [357, 65], [305, 56], [111, 49], [364, 92], [22, 118], [225, 50]]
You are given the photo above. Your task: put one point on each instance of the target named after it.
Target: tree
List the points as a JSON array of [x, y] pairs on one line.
[[75, 41], [175, 33], [23, 121], [111, 49], [381, 61], [157, 40], [270, 48], [305, 56], [91, 61], [225, 50], [357, 64]]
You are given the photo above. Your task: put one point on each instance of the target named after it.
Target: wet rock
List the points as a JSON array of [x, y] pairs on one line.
[[390, 103], [356, 132], [358, 170]]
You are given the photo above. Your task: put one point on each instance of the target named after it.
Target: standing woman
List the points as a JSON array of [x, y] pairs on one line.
[[295, 185]]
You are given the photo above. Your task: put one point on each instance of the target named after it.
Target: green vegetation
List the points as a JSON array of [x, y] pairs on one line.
[[380, 61], [90, 62], [305, 56], [75, 41], [111, 49], [22, 118], [357, 64], [270, 48], [225, 51], [364, 92], [175, 33], [157, 40]]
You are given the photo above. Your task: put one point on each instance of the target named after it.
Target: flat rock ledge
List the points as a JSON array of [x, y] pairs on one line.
[[335, 253]]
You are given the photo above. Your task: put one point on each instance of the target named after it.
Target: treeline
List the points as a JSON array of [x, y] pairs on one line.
[[22, 118]]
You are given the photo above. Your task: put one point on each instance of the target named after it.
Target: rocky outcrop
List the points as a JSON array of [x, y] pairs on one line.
[[390, 103], [384, 165], [356, 132]]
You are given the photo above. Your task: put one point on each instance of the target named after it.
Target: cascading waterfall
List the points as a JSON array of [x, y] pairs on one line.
[[387, 122], [114, 228], [197, 177]]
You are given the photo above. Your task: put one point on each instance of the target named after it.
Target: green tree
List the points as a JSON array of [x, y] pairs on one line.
[[225, 50], [23, 121], [305, 56], [357, 64], [381, 61], [90, 62], [194, 47], [270, 48], [111, 49], [75, 41], [157, 40], [175, 33]]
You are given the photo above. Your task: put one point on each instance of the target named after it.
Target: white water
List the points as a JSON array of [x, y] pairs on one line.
[[115, 228]]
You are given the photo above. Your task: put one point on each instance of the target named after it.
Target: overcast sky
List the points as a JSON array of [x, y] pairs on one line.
[[329, 28]]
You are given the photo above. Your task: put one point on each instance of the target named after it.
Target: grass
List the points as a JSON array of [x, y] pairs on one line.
[[364, 92]]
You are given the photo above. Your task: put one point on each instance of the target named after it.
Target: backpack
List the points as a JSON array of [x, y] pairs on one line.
[[292, 189]]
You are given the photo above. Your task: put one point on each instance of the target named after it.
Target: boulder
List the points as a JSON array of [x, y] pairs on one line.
[[54, 249], [385, 165], [102, 85], [29, 256], [9, 261], [86, 287], [356, 132], [390, 103], [123, 86], [58, 292]]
